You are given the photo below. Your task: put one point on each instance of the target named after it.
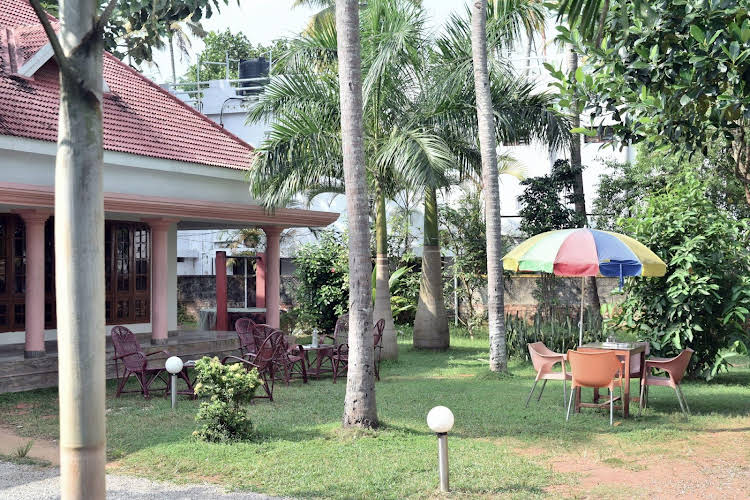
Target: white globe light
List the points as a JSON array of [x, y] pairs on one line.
[[440, 419], [173, 365]]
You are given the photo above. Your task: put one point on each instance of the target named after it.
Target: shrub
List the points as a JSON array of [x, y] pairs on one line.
[[228, 388], [703, 300], [323, 276]]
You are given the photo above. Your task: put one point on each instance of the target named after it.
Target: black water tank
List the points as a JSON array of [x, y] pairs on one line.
[[253, 68]]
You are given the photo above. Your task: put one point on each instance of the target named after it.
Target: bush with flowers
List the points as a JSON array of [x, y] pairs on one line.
[[229, 387]]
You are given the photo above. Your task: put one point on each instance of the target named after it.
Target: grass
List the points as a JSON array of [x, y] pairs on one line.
[[497, 447]]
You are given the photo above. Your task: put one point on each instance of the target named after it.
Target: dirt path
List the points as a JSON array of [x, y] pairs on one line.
[[708, 465], [41, 449]]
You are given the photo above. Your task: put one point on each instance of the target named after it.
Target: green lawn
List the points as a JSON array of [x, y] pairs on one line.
[[497, 446]]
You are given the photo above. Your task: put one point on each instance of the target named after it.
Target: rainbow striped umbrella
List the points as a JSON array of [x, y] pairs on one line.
[[584, 252]]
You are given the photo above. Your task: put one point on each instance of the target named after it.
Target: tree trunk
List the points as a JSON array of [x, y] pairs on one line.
[[592, 291], [79, 255], [171, 56], [431, 321], [382, 277], [359, 402], [486, 122], [740, 150]]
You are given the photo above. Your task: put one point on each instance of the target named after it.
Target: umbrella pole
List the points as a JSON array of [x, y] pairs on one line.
[[580, 322]]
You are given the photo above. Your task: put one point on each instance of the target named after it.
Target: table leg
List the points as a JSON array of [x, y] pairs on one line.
[[578, 400], [318, 363], [596, 394], [626, 389]]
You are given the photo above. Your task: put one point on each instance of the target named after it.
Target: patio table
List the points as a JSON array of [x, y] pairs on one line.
[[625, 351], [322, 353]]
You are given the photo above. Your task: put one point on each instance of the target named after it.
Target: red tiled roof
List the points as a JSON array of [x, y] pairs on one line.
[[139, 116]]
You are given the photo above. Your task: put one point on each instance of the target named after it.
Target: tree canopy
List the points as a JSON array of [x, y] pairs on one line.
[[673, 74]]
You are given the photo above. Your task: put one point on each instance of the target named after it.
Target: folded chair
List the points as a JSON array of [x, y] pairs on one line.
[[595, 370], [135, 363], [674, 369], [544, 361]]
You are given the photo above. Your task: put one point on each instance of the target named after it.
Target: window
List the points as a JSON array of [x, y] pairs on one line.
[[127, 261], [12, 273], [127, 267]]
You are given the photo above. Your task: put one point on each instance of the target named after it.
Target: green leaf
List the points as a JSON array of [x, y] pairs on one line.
[[697, 33], [583, 130]]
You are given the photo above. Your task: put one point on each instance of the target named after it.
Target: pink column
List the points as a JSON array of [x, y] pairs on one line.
[[159, 272], [222, 319], [34, 221], [260, 280], [273, 275]]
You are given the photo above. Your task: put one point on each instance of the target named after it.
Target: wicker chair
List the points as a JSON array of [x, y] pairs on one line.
[[340, 331], [135, 362], [263, 362], [290, 357], [245, 331], [341, 355]]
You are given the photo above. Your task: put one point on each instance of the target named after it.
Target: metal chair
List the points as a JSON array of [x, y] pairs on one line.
[[595, 370], [675, 371], [544, 361]]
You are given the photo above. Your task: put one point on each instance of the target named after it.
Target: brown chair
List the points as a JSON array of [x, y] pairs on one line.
[[244, 328], [544, 361], [263, 362], [135, 362], [595, 370], [341, 354], [340, 331], [675, 371], [289, 357]]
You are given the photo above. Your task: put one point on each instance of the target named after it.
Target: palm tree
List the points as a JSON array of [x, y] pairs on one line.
[[302, 154], [359, 405], [178, 32], [485, 117], [485, 42]]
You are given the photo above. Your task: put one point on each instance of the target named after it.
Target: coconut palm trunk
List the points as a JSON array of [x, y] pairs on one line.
[[382, 276], [79, 254], [592, 291], [488, 147], [359, 402], [431, 321], [171, 55]]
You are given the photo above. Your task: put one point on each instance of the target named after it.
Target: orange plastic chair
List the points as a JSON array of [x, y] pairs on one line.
[[675, 370], [595, 370], [544, 361]]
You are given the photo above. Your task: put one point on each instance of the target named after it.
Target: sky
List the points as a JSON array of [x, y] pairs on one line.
[[265, 20]]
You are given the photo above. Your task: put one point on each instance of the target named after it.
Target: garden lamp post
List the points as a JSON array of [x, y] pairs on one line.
[[174, 366], [440, 420]]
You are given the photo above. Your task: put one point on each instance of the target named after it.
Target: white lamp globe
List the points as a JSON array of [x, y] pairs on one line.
[[440, 419], [173, 365]]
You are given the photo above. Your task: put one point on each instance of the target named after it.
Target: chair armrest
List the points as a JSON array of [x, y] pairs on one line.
[[340, 347], [235, 358], [166, 353], [122, 356]]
